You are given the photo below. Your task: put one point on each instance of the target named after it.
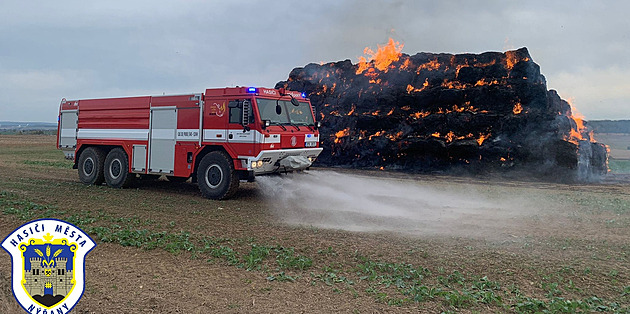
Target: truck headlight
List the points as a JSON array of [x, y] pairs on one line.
[[259, 163]]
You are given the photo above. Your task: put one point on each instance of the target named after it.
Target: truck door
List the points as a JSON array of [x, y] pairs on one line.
[[68, 120], [162, 139], [241, 134]]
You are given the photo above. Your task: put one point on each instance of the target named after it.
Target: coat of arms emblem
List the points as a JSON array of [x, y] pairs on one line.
[[48, 258]]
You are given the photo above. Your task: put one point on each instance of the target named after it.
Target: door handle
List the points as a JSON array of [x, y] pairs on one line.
[[230, 136]]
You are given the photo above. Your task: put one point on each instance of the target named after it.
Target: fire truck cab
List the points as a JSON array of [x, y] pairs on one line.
[[218, 138]]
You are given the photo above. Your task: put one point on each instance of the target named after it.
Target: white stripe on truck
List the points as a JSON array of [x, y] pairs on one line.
[[123, 134], [209, 135]]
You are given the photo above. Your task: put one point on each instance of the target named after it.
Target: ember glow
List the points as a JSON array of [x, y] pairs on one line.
[[411, 89], [482, 137], [343, 133], [512, 58], [517, 108]]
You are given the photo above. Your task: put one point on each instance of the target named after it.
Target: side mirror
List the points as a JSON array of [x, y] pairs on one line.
[[245, 114], [295, 102], [278, 109]]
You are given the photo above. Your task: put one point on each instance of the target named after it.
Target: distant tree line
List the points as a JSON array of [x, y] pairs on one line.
[[28, 132], [610, 126]]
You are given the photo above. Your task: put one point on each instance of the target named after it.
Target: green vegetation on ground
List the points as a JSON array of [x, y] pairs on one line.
[[619, 166], [393, 283]]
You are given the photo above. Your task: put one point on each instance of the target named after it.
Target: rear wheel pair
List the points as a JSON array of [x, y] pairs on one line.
[[96, 168]]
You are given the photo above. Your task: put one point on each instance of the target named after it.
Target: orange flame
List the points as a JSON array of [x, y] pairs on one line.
[[352, 110], [512, 59], [382, 58], [577, 134], [411, 89], [340, 134], [453, 84], [482, 138], [396, 136], [405, 64], [379, 133], [420, 114], [483, 82], [517, 108], [482, 65], [431, 66], [450, 136]]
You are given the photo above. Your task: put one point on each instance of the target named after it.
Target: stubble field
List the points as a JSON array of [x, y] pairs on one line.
[[330, 241]]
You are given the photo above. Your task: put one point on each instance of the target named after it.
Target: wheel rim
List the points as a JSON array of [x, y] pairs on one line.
[[88, 166], [214, 176], [115, 168]]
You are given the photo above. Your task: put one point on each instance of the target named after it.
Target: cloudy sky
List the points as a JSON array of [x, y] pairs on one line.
[[89, 49]]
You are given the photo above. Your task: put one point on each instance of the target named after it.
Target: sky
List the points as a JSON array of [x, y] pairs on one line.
[[79, 49]]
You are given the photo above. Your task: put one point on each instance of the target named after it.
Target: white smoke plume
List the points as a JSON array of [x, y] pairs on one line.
[[328, 199]]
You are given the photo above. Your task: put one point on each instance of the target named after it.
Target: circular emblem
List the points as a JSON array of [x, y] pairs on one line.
[[293, 141]]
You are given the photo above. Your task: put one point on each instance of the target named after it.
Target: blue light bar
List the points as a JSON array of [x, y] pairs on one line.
[[303, 94], [251, 90]]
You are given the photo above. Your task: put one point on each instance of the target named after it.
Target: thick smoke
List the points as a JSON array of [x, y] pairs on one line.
[[445, 112], [327, 199]]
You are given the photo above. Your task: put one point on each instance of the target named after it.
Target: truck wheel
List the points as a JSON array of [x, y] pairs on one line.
[[216, 176], [91, 166], [117, 169]]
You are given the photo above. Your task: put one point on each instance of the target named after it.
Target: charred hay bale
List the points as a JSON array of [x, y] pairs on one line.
[[432, 111]]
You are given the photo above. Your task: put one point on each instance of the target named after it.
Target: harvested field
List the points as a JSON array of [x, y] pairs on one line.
[[330, 241]]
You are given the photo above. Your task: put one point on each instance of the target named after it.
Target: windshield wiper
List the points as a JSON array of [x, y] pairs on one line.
[[294, 125], [278, 123]]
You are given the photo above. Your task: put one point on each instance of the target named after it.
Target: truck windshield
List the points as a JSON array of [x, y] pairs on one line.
[[290, 114]]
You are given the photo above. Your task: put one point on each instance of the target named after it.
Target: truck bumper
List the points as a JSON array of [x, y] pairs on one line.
[[271, 161]]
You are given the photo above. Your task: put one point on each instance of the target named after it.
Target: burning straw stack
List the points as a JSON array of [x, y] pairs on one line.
[[431, 112]]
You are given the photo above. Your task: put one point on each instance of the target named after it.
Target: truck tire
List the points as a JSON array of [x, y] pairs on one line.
[[216, 176], [116, 170], [91, 166]]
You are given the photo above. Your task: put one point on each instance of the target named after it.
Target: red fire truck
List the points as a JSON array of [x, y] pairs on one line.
[[218, 138]]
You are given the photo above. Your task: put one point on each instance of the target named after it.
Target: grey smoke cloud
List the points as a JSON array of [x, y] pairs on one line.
[[78, 49]]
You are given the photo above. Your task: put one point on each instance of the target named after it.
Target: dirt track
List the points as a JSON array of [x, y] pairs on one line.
[[536, 244]]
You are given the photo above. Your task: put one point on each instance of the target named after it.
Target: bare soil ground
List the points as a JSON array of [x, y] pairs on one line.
[[162, 248]]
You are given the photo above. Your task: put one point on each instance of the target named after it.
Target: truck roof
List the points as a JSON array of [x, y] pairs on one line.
[[174, 100], [258, 91]]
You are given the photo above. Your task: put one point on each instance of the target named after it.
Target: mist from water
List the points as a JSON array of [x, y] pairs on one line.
[[328, 199]]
